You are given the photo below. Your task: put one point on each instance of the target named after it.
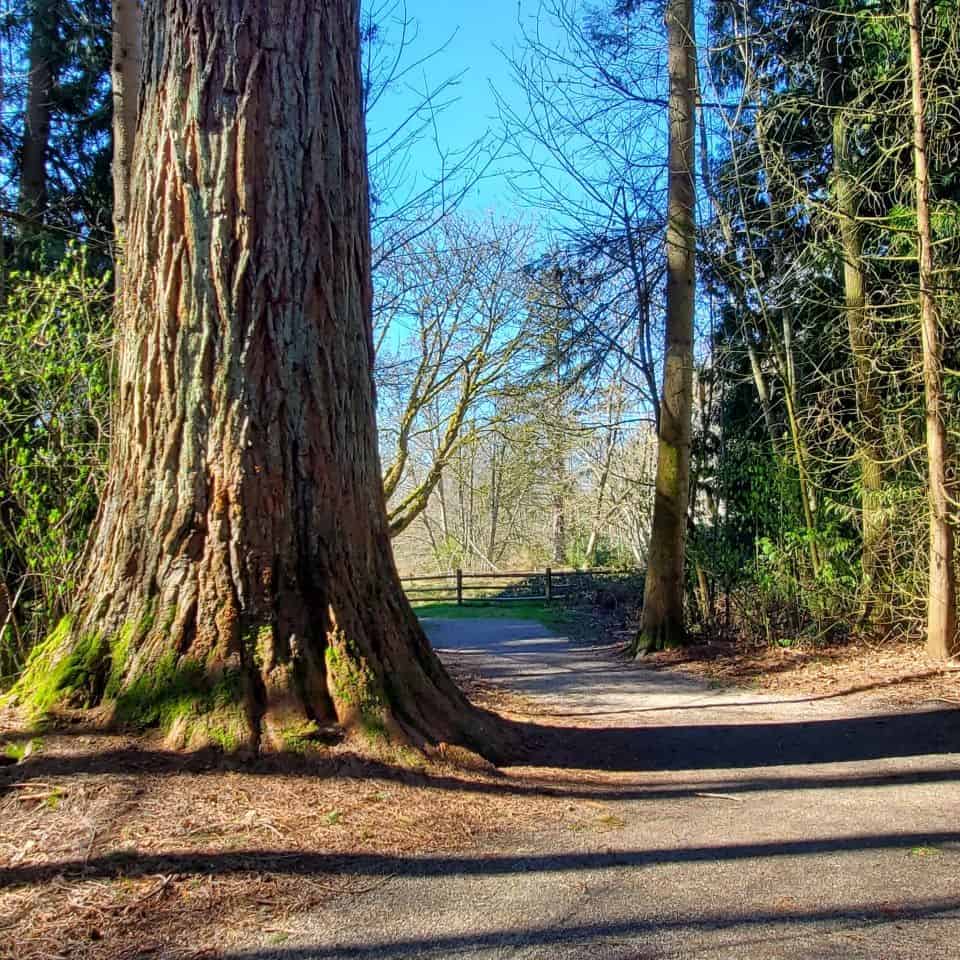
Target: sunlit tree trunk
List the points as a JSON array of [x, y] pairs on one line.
[[662, 623], [240, 585], [558, 508], [942, 598], [496, 491], [125, 77]]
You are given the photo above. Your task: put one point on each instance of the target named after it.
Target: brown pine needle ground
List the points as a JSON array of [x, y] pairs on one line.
[[107, 842], [895, 674]]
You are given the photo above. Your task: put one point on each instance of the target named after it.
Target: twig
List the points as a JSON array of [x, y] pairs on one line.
[[720, 796]]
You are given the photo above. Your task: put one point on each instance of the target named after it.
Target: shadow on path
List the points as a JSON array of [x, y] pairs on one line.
[[585, 935], [735, 745], [640, 749], [307, 863]]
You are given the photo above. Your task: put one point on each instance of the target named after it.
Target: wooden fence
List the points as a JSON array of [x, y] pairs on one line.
[[505, 586]]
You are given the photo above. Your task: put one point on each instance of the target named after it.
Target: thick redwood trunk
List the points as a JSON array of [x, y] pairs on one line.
[[241, 582]]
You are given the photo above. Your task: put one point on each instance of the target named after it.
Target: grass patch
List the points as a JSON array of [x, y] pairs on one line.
[[20, 750], [547, 614]]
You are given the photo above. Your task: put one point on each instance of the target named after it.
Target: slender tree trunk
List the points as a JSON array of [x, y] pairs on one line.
[[442, 499], [788, 370], [662, 622], [496, 482], [598, 514], [614, 413], [558, 531], [942, 598], [763, 391], [36, 127], [875, 554], [125, 76], [240, 585]]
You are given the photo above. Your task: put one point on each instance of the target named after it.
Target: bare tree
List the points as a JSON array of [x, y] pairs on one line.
[[448, 345]]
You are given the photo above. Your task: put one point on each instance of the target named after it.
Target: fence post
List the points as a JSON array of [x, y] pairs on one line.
[[459, 587], [549, 585]]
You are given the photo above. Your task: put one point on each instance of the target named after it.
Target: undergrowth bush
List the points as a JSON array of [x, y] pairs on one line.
[[55, 386]]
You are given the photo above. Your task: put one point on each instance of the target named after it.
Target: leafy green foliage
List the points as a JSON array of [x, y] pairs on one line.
[[55, 385]]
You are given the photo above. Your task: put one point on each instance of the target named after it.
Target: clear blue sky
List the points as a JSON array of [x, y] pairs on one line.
[[469, 35]]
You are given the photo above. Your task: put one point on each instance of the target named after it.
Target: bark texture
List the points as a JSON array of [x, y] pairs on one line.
[[240, 585], [662, 622], [125, 78], [36, 127], [942, 596]]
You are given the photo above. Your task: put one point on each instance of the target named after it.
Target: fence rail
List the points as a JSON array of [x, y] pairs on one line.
[[511, 586]]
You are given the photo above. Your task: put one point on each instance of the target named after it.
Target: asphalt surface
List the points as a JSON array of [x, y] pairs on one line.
[[728, 826]]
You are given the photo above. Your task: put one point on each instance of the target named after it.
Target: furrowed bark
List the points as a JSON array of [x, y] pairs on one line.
[[240, 584]]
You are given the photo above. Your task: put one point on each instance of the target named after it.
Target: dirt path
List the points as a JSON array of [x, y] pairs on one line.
[[709, 824]]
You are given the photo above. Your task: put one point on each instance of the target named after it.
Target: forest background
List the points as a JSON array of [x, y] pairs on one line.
[[519, 274]]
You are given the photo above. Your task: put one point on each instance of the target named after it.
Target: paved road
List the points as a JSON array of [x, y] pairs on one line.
[[731, 827], [532, 659]]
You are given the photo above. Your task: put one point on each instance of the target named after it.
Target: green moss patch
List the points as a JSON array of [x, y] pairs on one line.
[[175, 687], [355, 687], [76, 669], [61, 669]]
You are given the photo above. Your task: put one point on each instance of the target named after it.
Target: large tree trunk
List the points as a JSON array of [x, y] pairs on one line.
[[240, 584], [125, 76], [36, 126], [942, 597], [662, 622]]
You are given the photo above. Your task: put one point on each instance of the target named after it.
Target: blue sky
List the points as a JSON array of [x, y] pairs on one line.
[[469, 35]]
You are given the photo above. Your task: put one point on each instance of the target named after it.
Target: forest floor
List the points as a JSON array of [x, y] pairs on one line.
[[660, 812]]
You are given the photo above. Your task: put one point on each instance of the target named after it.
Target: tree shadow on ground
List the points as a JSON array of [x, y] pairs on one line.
[[530, 784], [309, 863], [760, 748], [586, 936], [731, 746]]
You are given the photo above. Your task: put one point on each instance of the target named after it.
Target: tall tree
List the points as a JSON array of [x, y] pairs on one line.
[[662, 623], [942, 587], [875, 601], [36, 126], [240, 584], [125, 85]]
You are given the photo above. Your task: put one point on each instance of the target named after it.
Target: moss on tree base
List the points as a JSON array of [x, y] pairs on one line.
[[137, 681], [192, 705]]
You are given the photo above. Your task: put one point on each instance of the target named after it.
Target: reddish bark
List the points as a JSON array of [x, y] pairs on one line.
[[242, 547]]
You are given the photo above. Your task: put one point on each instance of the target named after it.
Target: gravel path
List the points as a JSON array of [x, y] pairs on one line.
[[730, 826]]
